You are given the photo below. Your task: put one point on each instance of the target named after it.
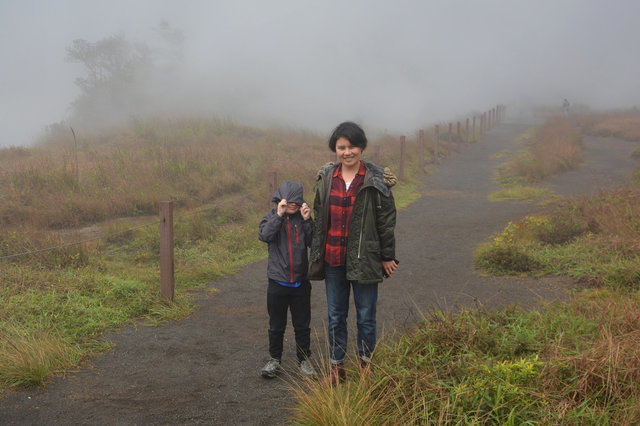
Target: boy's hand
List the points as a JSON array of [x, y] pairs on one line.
[[282, 207], [305, 211]]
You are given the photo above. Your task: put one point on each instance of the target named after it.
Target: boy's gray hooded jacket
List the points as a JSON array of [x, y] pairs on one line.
[[288, 237]]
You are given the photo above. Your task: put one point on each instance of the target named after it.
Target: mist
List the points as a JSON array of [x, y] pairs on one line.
[[396, 65]]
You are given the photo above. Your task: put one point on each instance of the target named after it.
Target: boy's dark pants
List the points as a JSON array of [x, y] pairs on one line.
[[298, 300]]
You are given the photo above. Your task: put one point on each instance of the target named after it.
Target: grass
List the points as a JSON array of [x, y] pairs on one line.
[[571, 363], [520, 192], [55, 305], [549, 149], [32, 357], [593, 239], [621, 124]]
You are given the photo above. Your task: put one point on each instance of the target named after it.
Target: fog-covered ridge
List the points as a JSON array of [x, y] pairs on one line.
[[389, 65]]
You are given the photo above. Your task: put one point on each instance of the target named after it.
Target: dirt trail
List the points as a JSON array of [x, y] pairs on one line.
[[204, 369]]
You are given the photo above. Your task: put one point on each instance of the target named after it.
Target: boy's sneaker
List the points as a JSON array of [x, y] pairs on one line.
[[307, 369], [270, 370]]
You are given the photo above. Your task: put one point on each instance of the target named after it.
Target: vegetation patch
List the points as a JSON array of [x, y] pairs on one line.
[[621, 124], [32, 357], [593, 239], [549, 149], [565, 363], [520, 192]]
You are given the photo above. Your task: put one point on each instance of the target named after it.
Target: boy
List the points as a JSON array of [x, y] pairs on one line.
[[288, 229]]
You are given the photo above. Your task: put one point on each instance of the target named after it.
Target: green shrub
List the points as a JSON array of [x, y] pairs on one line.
[[505, 259], [560, 229]]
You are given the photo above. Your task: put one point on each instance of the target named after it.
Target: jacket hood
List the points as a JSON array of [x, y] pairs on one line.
[[382, 178], [290, 191]]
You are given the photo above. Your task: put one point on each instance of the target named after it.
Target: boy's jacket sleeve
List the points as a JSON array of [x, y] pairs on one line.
[[270, 226]]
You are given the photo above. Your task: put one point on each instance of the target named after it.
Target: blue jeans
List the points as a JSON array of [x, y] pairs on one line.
[[365, 297]]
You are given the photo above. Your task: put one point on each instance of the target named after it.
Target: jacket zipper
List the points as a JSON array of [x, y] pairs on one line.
[[290, 250], [364, 215]]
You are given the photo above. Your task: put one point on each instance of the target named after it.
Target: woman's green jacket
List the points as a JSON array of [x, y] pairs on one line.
[[371, 230]]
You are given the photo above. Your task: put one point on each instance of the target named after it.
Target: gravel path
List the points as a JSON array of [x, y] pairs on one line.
[[204, 369]]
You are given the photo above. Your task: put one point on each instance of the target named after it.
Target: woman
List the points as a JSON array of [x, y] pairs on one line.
[[353, 244]]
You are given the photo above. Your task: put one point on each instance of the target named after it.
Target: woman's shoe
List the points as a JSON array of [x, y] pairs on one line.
[[336, 374], [365, 367]]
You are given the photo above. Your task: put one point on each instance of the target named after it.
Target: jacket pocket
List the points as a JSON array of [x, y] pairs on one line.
[[373, 248]]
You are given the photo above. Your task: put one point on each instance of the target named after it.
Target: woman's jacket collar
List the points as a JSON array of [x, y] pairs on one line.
[[380, 178]]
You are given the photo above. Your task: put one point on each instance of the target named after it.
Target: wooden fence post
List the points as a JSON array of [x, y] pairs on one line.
[[167, 283], [421, 149], [272, 185], [436, 142], [402, 156], [467, 138], [376, 154], [475, 138]]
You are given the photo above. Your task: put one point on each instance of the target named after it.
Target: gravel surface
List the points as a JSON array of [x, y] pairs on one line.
[[205, 369]]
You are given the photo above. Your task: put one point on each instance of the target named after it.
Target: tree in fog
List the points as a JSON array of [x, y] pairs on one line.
[[114, 70], [119, 75]]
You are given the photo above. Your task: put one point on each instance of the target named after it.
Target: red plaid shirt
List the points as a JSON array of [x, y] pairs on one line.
[[341, 203]]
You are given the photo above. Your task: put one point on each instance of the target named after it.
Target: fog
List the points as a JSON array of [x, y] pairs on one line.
[[395, 65]]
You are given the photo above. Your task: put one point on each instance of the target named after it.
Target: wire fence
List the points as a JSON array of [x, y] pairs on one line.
[[472, 130], [106, 236]]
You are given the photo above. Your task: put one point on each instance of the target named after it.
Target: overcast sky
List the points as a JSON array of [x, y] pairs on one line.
[[396, 65]]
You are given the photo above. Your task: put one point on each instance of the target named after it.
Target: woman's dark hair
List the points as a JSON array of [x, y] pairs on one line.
[[350, 131]]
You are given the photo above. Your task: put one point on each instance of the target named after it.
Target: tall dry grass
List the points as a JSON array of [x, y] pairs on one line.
[[621, 124], [31, 358], [549, 149], [125, 172]]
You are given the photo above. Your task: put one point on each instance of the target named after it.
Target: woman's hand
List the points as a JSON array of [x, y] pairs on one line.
[[389, 267], [305, 211]]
